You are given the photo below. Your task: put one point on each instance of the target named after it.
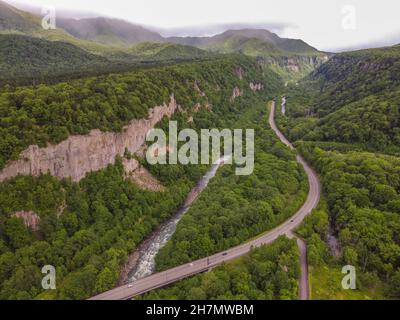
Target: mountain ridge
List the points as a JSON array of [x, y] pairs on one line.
[[121, 41], [120, 33], [352, 99], [109, 31], [283, 44], [12, 18]]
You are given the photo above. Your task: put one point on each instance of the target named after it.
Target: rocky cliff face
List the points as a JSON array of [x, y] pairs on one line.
[[236, 93], [81, 154], [240, 73], [256, 86], [30, 219], [296, 66], [78, 155]]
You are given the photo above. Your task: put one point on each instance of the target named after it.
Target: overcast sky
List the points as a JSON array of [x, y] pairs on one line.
[[325, 24]]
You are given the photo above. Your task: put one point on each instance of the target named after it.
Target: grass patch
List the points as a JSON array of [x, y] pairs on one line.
[[326, 284]]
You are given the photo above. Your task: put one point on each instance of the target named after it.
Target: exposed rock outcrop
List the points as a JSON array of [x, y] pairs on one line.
[[198, 90], [130, 165], [300, 65], [143, 178], [206, 106], [256, 87], [293, 65], [78, 155], [240, 72], [30, 219], [236, 93]]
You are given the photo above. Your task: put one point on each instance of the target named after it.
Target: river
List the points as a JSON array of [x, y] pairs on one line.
[[142, 262], [283, 105]]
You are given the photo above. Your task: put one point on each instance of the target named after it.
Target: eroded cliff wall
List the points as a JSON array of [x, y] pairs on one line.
[[78, 155]]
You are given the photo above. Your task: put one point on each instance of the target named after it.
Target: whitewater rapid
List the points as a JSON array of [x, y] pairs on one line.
[[148, 250]]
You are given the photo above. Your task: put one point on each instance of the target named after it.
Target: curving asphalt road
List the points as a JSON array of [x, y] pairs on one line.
[[164, 278]]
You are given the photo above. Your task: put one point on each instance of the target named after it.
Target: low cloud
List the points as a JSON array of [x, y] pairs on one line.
[[213, 29], [389, 40]]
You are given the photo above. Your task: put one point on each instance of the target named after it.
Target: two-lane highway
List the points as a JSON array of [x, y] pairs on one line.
[[164, 278]]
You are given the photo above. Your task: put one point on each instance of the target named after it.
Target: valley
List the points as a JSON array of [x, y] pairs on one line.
[[284, 229], [79, 192], [141, 263], [347, 130]]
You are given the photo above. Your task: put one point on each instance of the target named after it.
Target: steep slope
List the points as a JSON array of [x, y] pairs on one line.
[[109, 102], [248, 46], [108, 31], [113, 38], [26, 60], [265, 36], [166, 51], [351, 76], [354, 98], [26, 57], [346, 118], [292, 59], [16, 20], [222, 41], [89, 227]]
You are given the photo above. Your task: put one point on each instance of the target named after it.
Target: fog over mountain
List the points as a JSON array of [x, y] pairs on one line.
[[322, 24], [212, 30], [61, 12], [390, 40]]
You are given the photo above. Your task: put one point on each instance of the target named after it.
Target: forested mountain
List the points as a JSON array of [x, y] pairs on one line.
[[114, 39], [15, 20], [119, 98], [231, 41], [354, 98], [150, 51], [291, 58], [119, 33], [25, 59], [28, 57], [115, 32], [108, 31], [88, 228], [342, 114], [351, 76]]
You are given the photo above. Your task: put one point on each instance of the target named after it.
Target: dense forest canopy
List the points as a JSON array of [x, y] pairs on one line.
[[26, 57], [50, 113], [30, 60], [354, 99], [233, 208], [345, 117], [267, 273], [87, 229], [102, 73], [351, 76]]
